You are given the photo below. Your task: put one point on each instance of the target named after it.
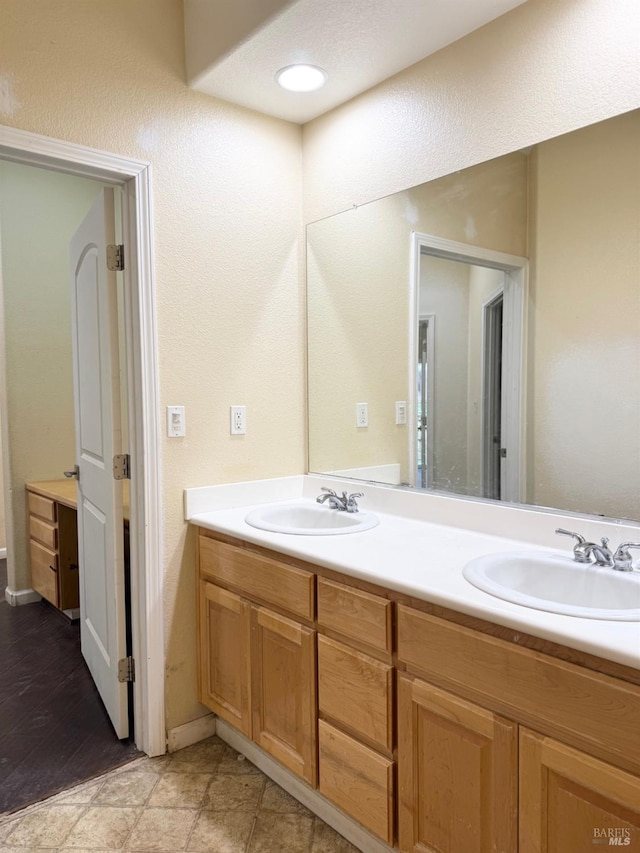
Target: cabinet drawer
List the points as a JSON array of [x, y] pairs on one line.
[[359, 615], [258, 577], [356, 691], [581, 707], [357, 780], [44, 507], [44, 571], [44, 532]]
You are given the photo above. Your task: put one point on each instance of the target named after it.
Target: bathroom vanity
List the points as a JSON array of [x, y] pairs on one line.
[[432, 727]]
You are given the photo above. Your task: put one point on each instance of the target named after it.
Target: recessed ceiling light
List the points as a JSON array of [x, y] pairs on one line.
[[302, 78]]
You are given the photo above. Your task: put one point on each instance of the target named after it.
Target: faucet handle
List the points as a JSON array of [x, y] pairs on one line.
[[356, 495], [577, 536], [622, 560], [328, 491], [581, 550]]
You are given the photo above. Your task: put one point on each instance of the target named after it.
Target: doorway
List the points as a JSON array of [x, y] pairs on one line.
[[467, 385], [145, 530]]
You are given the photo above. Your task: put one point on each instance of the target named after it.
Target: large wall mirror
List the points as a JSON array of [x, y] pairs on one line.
[[479, 335]]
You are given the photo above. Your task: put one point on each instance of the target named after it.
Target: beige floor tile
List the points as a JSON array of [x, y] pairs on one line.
[[221, 832], [47, 826], [327, 840], [162, 829], [6, 827], [81, 793], [27, 849], [281, 832], [235, 793], [131, 788], [103, 827], [181, 790], [233, 763], [275, 799], [202, 757]]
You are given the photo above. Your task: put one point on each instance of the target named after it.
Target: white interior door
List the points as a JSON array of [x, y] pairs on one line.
[[98, 439]]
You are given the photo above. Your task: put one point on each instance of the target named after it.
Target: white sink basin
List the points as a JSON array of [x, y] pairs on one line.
[[558, 584], [306, 518]]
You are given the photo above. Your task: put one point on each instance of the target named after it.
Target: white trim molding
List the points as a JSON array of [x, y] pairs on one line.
[[134, 176], [190, 733], [16, 597]]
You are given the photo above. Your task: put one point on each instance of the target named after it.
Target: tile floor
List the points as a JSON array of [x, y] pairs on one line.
[[205, 799]]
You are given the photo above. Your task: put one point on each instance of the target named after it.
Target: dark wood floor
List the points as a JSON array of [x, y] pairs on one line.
[[54, 731]]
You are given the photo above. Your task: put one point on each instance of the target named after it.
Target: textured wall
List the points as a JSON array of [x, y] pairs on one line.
[[39, 213], [547, 67], [226, 186]]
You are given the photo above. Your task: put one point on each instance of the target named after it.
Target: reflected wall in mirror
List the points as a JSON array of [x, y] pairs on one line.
[[570, 207]]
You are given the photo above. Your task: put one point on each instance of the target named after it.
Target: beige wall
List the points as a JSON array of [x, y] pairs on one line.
[[585, 320], [545, 68], [39, 212], [226, 186]]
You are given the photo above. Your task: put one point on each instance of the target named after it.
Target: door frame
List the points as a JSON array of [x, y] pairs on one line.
[[487, 400], [516, 271], [134, 177], [430, 392]]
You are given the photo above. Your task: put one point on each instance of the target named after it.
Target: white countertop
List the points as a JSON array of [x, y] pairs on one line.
[[421, 559]]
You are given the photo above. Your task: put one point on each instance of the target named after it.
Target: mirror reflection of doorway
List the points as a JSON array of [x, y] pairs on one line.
[[467, 382]]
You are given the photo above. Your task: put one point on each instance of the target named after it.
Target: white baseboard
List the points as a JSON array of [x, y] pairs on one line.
[[3, 553], [16, 597], [291, 783], [190, 733]]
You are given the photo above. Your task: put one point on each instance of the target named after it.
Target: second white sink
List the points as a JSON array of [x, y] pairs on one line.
[[308, 519], [557, 584]]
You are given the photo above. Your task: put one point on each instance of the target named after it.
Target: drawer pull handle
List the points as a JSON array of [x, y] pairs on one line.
[[53, 568]]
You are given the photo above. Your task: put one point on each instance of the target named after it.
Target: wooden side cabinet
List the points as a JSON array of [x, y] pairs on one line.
[[570, 801], [225, 674], [457, 774], [53, 550]]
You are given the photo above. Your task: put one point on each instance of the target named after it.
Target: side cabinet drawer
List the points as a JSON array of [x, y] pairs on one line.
[[356, 691], [355, 614], [358, 780], [43, 532], [44, 507], [259, 577], [44, 571]]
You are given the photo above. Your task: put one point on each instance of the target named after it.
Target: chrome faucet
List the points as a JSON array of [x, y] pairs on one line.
[[583, 551], [343, 503]]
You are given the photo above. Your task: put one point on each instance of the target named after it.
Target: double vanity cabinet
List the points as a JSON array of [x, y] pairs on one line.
[[434, 730]]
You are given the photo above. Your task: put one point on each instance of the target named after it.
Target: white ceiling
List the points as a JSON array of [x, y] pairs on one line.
[[358, 42]]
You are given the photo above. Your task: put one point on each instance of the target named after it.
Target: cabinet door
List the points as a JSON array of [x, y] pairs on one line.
[[457, 774], [571, 801], [224, 672], [283, 658]]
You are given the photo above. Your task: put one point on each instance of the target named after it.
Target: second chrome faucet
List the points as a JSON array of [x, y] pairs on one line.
[[602, 555]]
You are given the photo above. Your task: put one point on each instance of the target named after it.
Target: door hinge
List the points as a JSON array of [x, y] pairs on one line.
[[115, 257], [122, 467], [126, 669]]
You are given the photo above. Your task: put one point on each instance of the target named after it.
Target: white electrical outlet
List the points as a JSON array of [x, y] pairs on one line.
[[175, 421], [362, 414], [401, 412], [238, 420]]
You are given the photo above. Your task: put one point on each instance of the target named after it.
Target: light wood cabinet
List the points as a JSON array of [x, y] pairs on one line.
[[257, 667], [570, 801], [283, 664], [457, 774], [53, 550], [434, 734], [224, 672]]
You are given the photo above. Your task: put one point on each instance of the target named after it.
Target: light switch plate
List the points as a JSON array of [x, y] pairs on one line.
[[175, 421], [401, 412]]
